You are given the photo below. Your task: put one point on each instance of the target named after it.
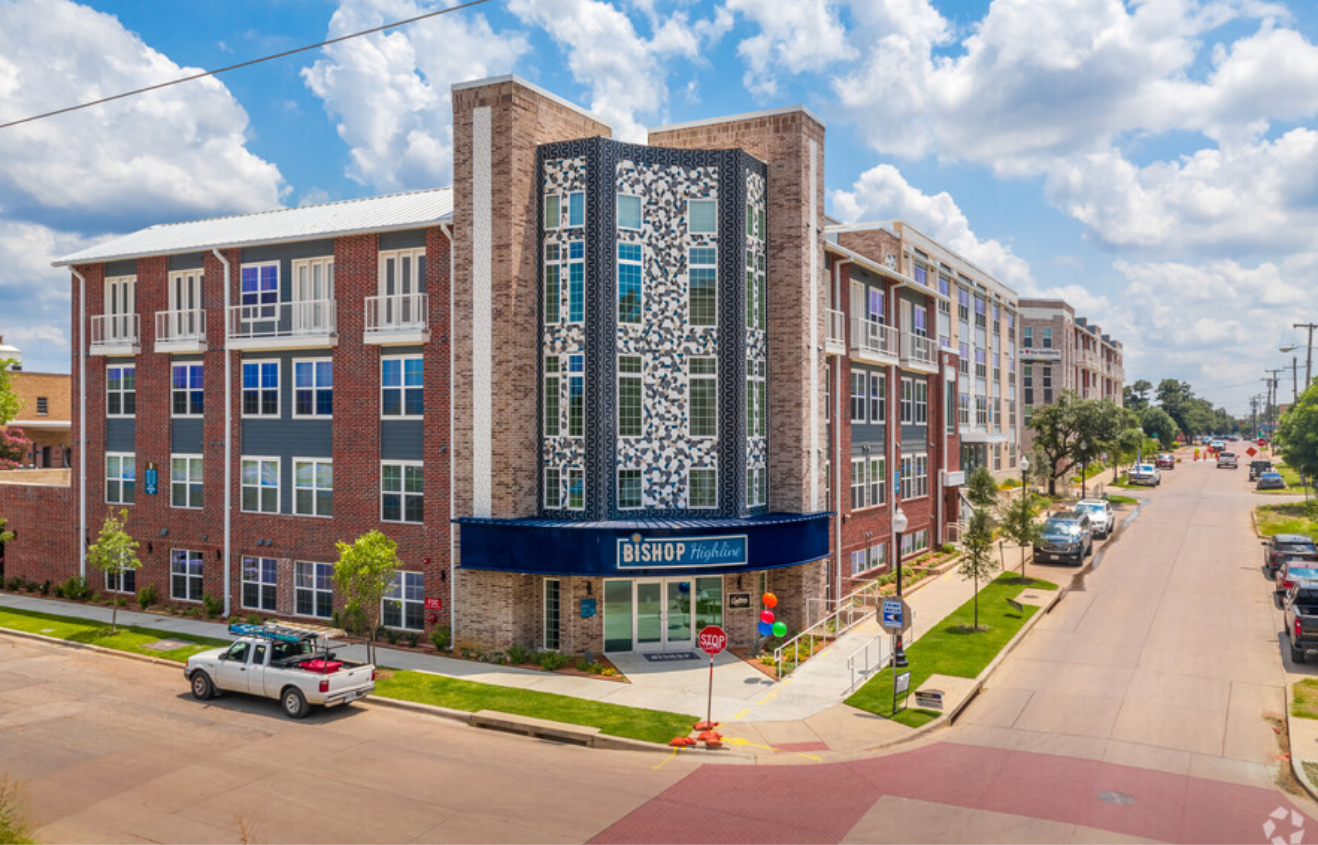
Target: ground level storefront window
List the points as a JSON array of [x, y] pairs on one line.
[[660, 613]]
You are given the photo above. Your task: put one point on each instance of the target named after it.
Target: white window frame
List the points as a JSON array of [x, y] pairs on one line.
[[315, 487], [859, 379], [313, 589], [640, 475], [690, 289], [402, 493], [689, 505], [120, 479], [921, 401], [261, 584], [121, 392], [692, 377], [174, 390], [878, 492], [554, 221], [639, 376], [578, 376], [639, 264], [403, 387], [255, 312], [859, 488], [293, 388], [908, 401], [200, 578], [581, 477], [411, 256], [556, 391], [554, 483], [399, 581], [878, 402], [640, 201], [279, 375], [189, 481], [122, 581], [702, 200], [260, 459], [757, 487]]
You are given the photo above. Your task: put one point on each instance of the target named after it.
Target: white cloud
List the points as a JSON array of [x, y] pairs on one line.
[[390, 92], [794, 35], [36, 297], [175, 153], [882, 193]]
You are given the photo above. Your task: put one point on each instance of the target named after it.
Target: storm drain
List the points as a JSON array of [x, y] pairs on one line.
[[1117, 797]]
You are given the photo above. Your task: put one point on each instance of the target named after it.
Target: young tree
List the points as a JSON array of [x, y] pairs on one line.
[[114, 553], [1018, 520], [363, 573], [14, 447], [977, 559], [10, 403], [981, 489], [1297, 434]]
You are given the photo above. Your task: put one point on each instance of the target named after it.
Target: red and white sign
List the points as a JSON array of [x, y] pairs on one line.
[[713, 639], [434, 604]]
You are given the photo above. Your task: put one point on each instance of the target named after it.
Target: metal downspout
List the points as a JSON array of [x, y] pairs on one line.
[[82, 423], [228, 441], [837, 430], [447, 229]]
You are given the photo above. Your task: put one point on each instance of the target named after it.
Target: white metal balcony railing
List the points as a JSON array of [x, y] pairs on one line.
[[408, 312], [116, 330], [282, 320], [872, 337], [836, 328], [181, 326], [918, 350]]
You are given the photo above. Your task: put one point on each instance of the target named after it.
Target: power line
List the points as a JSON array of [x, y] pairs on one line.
[[203, 74]]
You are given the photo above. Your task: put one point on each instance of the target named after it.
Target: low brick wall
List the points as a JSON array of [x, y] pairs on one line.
[[43, 519]]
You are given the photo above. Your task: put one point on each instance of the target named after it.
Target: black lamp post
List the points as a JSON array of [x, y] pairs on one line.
[[899, 523], [1084, 468], [1025, 474]]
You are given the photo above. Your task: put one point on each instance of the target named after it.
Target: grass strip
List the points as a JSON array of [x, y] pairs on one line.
[[1122, 500], [1292, 518], [470, 696], [129, 637], [953, 648], [1304, 702]]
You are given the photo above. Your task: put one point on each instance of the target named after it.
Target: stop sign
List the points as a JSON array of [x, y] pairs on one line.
[[713, 639]]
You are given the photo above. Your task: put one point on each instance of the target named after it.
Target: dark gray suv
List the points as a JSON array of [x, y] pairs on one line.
[[1067, 537]]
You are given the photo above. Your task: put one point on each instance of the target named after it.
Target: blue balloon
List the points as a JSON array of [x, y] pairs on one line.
[[765, 629]]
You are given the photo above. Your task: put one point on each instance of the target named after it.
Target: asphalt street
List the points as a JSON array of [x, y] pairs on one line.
[[1136, 711]]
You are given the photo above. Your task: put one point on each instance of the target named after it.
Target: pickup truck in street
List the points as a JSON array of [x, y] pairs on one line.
[[289, 662], [1146, 474], [1302, 619]]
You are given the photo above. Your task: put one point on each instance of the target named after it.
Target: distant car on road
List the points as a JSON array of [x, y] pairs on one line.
[[1166, 460], [1270, 481], [1257, 467], [1146, 474], [1101, 518], [1294, 569], [1067, 537], [1281, 547], [1301, 608], [1227, 460]]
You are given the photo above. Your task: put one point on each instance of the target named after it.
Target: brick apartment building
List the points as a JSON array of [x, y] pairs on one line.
[[602, 394], [46, 418], [1060, 351]]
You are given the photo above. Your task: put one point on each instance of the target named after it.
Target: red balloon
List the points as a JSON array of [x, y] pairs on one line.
[[770, 600], [766, 616]]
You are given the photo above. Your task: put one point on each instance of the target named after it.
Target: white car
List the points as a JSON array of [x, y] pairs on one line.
[[1101, 518], [1147, 474]]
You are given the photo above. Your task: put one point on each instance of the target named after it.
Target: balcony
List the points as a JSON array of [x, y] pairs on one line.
[[283, 325], [403, 318], [919, 353], [181, 331], [873, 342], [835, 340], [116, 334]]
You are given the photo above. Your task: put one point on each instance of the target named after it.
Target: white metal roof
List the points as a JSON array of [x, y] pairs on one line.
[[373, 214]]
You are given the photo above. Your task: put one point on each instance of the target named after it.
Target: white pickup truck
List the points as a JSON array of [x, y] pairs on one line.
[[292, 663]]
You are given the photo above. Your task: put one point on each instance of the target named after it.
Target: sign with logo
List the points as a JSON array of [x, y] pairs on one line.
[[1040, 354], [152, 479], [587, 608], [929, 699], [637, 552], [897, 484], [894, 615], [739, 601], [434, 604], [712, 640]]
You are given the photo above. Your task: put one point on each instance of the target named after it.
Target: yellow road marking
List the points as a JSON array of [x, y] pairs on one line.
[[666, 759], [742, 713]]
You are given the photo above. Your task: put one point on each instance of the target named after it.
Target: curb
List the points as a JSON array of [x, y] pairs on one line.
[[141, 658]]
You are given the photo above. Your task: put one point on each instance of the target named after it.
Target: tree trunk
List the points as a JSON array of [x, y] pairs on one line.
[[976, 601], [114, 613], [1052, 485]]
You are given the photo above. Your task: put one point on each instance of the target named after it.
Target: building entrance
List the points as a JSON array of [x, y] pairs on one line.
[[659, 614]]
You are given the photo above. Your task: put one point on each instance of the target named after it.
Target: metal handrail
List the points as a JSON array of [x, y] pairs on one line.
[[836, 325], [851, 610], [917, 349], [282, 319], [873, 336], [398, 312], [865, 649], [187, 324], [116, 328]]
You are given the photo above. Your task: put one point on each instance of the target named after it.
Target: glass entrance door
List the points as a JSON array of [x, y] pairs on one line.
[[649, 615], [678, 631], [663, 614]]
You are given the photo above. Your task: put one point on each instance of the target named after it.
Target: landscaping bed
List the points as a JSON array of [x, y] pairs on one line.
[[952, 648]]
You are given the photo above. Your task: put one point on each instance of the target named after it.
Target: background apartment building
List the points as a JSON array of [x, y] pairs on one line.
[[46, 418], [1060, 351]]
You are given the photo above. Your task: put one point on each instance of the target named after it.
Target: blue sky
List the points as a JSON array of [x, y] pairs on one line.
[[1152, 162]]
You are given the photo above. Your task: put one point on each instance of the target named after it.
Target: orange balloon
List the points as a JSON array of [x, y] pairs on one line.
[[770, 600]]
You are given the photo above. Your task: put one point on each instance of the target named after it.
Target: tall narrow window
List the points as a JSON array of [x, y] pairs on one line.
[[185, 481], [576, 489], [857, 483], [908, 401], [552, 617], [703, 389], [629, 283], [313, 295], [260, 388], [404, 602], [921, 402], [313, 593], [313, 487], [260, 583], [576, 209], [702, 286], [553, 488], [576, 281], [877, 487], [878, 397], [186, 391], [702, 488], [576, 396], [260, 291], [755, 399], [120, 478], [185, 575], [629, 396], [402, 491], [553, 214], [756, 489], [859, 398], [551, 282], [401, 389], [629, 489], [121, 391], [551, 396], [313, 388]]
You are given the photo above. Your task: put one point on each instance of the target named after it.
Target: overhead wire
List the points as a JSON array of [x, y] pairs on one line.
[[249, 63]]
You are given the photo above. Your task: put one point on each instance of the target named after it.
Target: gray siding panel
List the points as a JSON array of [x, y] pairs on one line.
[[120, 434], [410, 239], [185, 436], [288, 438], [400, 440], [127, 267], [870, 434], [915, 438], [190, 261]]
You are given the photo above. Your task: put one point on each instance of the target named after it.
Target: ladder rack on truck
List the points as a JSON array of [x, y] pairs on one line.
[[287, 632]]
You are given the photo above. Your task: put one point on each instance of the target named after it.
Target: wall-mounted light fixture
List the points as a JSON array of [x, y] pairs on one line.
[[164, 532]]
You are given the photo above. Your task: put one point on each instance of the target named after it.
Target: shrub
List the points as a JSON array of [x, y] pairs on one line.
[[194, 612], [253, 619], [146, 597], [30, 586], [552, 661], [517, 654], [390, 635], [117, 601], [496, 658], [439, 637], [595, 668], [609, 672], [212, 605], [582, 665], [412, 640], [13, 584]]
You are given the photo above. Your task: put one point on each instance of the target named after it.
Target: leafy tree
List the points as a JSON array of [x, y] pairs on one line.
[[1018, 520], [114, 553], [1125, 449], [1158, 423], [1297, 433], [1136, 396], [977, 559], [10, 403], [363, 573], [1072, 431], [5, 536], [981, 490]]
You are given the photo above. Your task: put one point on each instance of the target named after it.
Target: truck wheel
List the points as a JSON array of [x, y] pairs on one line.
[[1297, 654], [202, 687], [295, 703]]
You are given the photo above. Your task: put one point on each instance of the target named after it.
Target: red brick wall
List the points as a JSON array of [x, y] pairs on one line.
[[45, 523]]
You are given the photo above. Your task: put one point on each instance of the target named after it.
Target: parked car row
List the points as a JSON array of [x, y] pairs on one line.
[[1291, 561], [1068, 537]]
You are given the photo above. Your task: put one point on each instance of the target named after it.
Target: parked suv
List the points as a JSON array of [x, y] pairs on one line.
[[1282, 546], [1257, 468], [1146, 474], [1067, 537], [1166, 461], [1227, 460], [1101, 519], [1301, 607], [1270, 481]]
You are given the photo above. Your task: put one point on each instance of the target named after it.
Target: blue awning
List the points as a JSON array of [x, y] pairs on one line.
[[643, 546]]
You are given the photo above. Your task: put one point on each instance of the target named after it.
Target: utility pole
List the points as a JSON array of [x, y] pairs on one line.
[[1254, 415], [1308, 360], [1270, 411]]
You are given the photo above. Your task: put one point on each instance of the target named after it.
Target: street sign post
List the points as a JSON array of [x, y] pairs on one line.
[[712, 640], [901, 684], [894, 615]]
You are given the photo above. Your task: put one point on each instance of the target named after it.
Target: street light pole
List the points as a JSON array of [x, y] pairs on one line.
[[899, 523], [1308, 359], [1084, 468]]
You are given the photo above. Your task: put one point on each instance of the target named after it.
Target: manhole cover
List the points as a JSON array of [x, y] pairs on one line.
[[1117, 797], [166, 645]]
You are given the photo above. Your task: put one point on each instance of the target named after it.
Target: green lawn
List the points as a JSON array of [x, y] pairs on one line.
[[469, 696], [952, 648], [128, 638], [1285, 519], [1304, 704], [1123, 500]]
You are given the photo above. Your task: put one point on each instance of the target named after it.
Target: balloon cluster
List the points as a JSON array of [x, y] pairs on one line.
[[767, 624]]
